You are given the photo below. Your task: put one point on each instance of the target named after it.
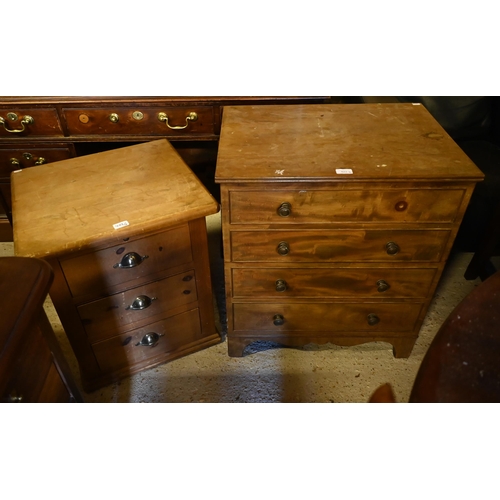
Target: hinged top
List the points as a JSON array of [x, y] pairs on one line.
[[337, 142], [78, 203]]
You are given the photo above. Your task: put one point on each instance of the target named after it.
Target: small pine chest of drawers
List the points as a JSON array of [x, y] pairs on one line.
[[337, 221], [125, 233]]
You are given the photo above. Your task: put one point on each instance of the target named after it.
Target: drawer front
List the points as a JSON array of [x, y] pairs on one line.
[[14, 158], [307, 206], [338, 246], [122, 351], [197, 120], [282, 283], [94, 272], [103, 318], [331, 317], [29, 122]]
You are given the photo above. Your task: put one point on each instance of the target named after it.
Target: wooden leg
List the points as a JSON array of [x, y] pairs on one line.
[[235, 347], [402, 347]]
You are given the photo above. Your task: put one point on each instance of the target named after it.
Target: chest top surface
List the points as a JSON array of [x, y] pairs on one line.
[[77, 203], [337, 142]]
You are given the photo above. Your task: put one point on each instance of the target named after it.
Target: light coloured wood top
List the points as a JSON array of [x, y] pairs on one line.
[[74, 204], [310, 143]]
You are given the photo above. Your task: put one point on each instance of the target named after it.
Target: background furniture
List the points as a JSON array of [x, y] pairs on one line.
[[125, 234], [32, 366], [461, 364], [39, 130], [337, 221]]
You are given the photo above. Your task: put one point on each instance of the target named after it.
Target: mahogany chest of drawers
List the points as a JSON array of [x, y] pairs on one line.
[[125, 234], [337, 221]]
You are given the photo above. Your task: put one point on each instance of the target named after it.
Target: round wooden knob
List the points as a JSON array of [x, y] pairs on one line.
[[382, 286], [278, 319], [285, 209], [283, 248], [392, 248], [281, 286]]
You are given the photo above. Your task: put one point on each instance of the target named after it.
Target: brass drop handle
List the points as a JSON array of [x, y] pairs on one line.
[[285, 209], [149, 340], [382, 286], [372, 319], [113, 117], [281, 286], [16, 163], [283, 248], [141, 302], [25, 120], [278, 319], [392, 248], [13, 397], [191, 117], [129, 260]]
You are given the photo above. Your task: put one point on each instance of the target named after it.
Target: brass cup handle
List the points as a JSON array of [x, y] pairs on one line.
[[129, 260], [192, 117], [392, 248], [278, 320], [372, 319], [25, 120], [382, 286], [141, 302], [283, 248], [149, 340], [284, 210], [15, 162], [281, 286]]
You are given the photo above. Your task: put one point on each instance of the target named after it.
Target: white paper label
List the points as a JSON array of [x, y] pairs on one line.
[[123, 223], [343, 170]]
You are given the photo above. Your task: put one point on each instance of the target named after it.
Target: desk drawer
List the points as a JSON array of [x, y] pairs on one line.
[[103, 318], [318, 206], [173, 333], [349, 245], [192, 120], [29, 122], [326, 317], [282, 283], [15, 157], [94, 272]]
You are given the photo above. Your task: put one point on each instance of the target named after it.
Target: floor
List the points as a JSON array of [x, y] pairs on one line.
[[269, 373]]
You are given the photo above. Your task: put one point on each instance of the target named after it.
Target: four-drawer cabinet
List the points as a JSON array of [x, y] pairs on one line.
[[125, 233], [337, 221]]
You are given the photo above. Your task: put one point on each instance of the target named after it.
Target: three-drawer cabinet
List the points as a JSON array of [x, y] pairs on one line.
[[125, 234], [337, 221]]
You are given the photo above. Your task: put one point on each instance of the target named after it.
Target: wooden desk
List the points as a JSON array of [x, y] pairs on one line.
[[39, 130]]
